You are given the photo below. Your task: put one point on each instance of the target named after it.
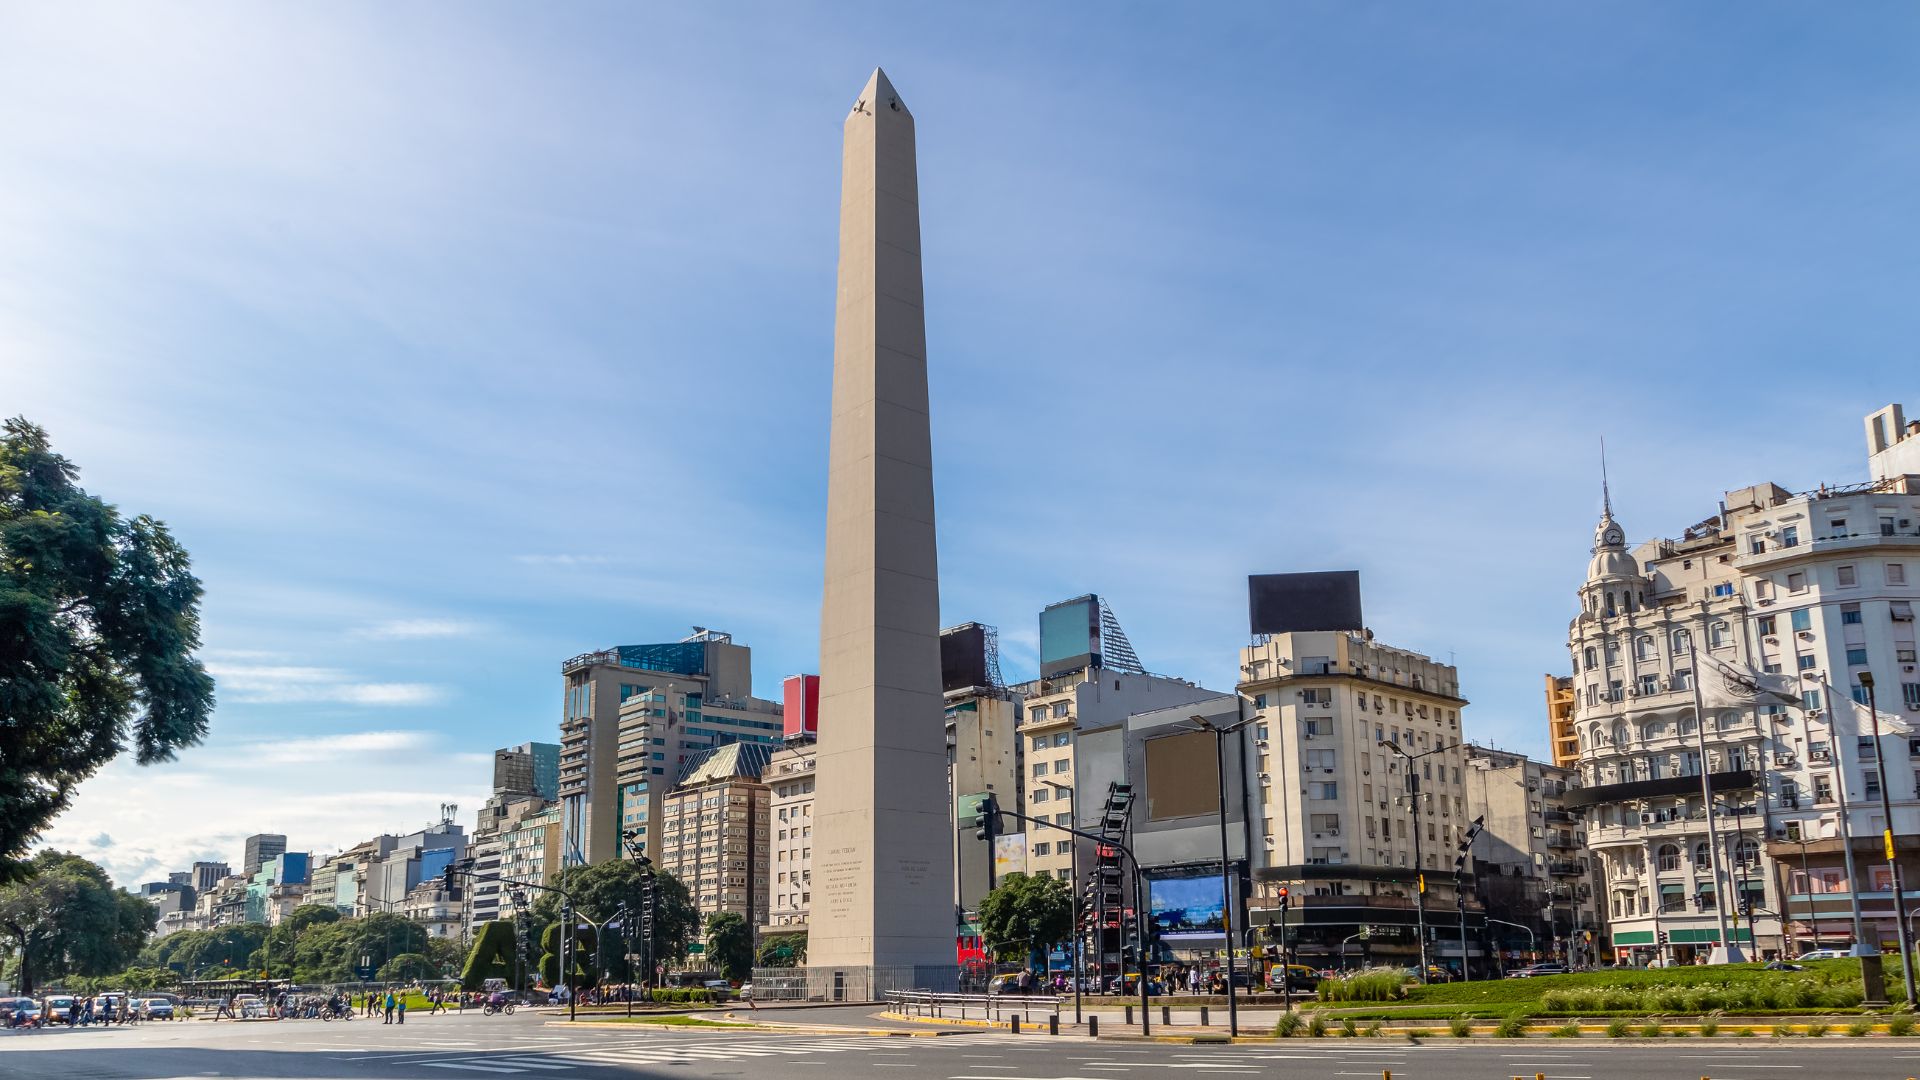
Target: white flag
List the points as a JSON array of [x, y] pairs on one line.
[[1727, 685], [1854, 720]]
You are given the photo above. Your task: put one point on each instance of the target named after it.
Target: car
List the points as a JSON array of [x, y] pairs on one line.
[[721, 988], [59, 1008], [1824, 954], [18, 1012], [1298, 977], [1535, 970], [157, 1008]]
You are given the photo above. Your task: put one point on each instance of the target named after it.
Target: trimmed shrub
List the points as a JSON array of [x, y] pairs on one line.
[[1348, 1029], [1460, 1027], [1743, 1033], [1650, 1030], [1373, 1030], [1710, 1025], [1859, 1029], [1565, 1031], [1783, 1031], [1617, 1028], [1900, 1024], [1815, 1031], [1376, 985], [1513, 1027], [1317, 1027], [1288, 1026]]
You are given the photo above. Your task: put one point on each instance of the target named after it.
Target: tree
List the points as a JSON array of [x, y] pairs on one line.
[[782, 950], [730, 944], [604, 891], [192, 952], [492, 956], [407, 967], [280, 949], [64, 917], [1026, 914], [99, 617]]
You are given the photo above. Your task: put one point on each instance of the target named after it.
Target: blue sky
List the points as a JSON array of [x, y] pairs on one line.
[[457, 339]]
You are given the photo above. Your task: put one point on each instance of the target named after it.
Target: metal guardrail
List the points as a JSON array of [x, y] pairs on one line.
[[972, 1006]]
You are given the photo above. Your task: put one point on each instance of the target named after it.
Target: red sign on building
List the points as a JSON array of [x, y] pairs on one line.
[[801, 707]]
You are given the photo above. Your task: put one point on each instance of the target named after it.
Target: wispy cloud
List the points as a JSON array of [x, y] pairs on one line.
[[563, 560], [413, 629], [285, 684], [334, 747]]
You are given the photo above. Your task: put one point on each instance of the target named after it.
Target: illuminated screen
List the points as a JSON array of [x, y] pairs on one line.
[[1185, 906]]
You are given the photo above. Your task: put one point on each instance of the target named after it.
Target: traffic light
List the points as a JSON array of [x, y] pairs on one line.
[[1286, 899], [986, 823], [1466, 845], [448, 878], [1663, 937], [1746, 907]]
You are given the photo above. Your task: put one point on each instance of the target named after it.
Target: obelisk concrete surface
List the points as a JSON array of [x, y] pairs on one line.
[[882, 910]]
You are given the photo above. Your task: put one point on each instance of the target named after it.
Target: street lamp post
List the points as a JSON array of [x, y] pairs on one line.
[[1419, 861], [1872, 975], [1073, 857], [1886, 836], [1227, 891]]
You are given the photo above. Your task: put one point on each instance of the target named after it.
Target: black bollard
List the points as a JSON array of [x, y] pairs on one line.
[[1013, 1023], [1203, 1016], [1093, 1027], [1053, 1024], [1166, 1015], [1129, 1016]]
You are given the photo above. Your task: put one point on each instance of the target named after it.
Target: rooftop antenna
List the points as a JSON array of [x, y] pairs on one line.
[[1606, 496]]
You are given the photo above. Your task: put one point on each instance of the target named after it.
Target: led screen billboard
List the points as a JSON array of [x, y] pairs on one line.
[[1070, 635], [1185, 907], [1284, 603], [963, 657]]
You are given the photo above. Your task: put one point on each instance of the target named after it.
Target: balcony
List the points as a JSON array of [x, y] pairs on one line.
[[1564, 868], [1635, 790]]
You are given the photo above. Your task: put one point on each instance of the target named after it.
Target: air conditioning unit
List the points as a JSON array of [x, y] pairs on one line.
[[1766, 601], [1266, 778], [1646, 819], [1260, 743]]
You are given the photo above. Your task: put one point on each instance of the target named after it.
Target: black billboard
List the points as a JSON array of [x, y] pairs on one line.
[[1324, 600], [963, 657]]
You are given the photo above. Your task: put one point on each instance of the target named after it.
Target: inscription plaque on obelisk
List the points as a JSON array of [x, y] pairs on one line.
[[883, 844]]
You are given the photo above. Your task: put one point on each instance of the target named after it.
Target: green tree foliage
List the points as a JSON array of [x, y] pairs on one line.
[[407, 967], [601, 890], [730, 944], [99, 617], [1026, 914], [492, 956], [585, 969], [279, 950], [64, 917], [198, 953], [782, 950]]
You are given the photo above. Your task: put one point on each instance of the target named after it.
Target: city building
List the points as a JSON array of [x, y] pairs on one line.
[[1564, 744], [281, 884], [439, 911], [1361, 790], [205, 875], [529, 854], [1818, 583], [407, 861], [633, 716], [1531, 870], [789, 777], [484, 895], [714, 831], [532, 768], [1090, 678], [260, 848], [984, 747]]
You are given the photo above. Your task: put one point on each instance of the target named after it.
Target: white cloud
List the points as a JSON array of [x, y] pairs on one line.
[[563, 560], [326, 747], [410, 629], [286, 684]]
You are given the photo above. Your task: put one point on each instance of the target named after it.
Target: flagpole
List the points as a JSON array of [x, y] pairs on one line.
[[1732, 954]]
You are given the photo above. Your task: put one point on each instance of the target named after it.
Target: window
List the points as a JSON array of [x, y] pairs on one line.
[[1823, 789], [1040, 795], [1856, 657], [1802, 620], [1837, 528], [1259, 701], [1061, 766], [1042, 848], [1797, 582], [1766, 625], [1910, 693], [1847, 575], [1725, 588], [1643, 647], [1717, 635], [1702, 856], [1682, 641], [1060, 738], [1809, 699], [1756, 544], [1849, 614], [1868, 748], [1328, 789], [1683, 678], [1039, 768], [1896, 573], [1790, 536], [1588, 654], [1901, 611], [1649, 684], [1903, 654], [1669, 857], [1872, 787]]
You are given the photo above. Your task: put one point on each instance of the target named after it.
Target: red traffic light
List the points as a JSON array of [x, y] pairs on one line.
[[1283, 892]]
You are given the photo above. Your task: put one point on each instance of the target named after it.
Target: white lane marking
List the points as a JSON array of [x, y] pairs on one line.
[[474, 1068], [533, 1063]]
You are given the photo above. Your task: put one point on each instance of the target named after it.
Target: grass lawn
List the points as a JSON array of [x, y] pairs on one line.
[[669, 1021]]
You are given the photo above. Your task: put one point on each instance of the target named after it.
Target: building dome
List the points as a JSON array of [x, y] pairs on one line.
[[1610, 558]]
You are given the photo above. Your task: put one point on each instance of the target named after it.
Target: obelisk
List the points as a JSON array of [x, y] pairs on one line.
[[882, 902]]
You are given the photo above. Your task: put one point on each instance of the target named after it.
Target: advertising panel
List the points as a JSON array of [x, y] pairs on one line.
[[1283, 603], [1009, 855], [1186, 907]]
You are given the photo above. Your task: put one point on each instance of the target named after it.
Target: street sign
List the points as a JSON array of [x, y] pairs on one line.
[[697, 948], [364, 972]]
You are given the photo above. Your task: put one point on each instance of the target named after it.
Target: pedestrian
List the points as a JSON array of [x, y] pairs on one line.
[[403, 1008], [389, 1004]]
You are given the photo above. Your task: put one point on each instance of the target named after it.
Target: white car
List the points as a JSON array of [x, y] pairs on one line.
[[1824, 954]]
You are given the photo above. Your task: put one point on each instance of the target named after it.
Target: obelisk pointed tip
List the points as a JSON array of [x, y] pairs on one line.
[[878, 95]]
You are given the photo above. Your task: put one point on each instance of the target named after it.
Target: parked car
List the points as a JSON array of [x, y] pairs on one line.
[[157, 1008], [18, 1012], [59, 1009], [1824, 954], [1532, 970], [722, 989]]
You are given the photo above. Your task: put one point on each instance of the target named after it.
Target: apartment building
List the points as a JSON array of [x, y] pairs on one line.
[[1531, 868], [260, 849], [633, 716], [1561, 739], [485, 896], [1362, 796], [1819, 583], [714, 831], [529, 853], [789, 777]]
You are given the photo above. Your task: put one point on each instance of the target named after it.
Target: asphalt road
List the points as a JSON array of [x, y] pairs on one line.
[[524, 1046]]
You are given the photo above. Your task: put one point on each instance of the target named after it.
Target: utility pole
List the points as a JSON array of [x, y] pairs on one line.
[[1886, 836]]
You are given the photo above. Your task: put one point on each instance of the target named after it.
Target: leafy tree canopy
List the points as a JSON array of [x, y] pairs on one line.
[[1026, 915], [64, 917], [601, 890], [782, 950], [730, 944], [99, 618]]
